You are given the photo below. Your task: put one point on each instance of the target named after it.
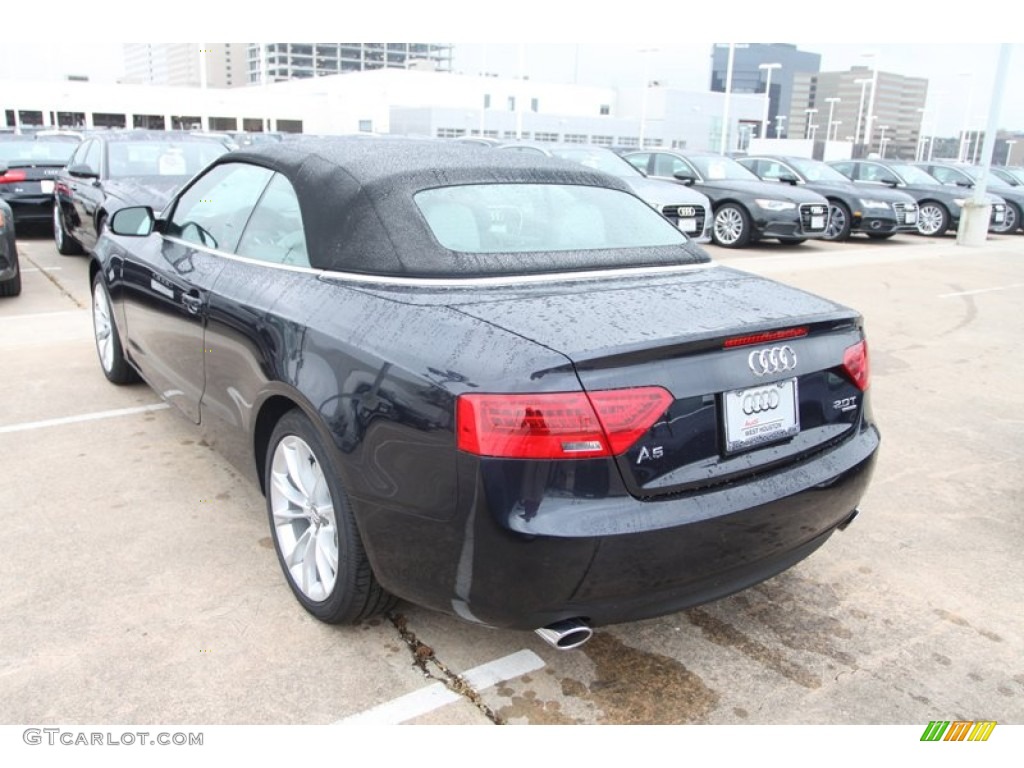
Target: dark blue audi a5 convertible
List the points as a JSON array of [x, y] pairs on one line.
[[491, 384]]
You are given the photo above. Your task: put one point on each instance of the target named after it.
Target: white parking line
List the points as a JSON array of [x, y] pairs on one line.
[[981, 290], [34, 315], [83, 417], [43, 269], [436, 695]]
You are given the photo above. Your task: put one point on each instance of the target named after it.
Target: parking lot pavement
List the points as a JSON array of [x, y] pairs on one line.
[[141, 585]]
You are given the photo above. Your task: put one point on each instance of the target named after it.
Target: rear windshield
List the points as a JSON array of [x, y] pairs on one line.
[[519, 218], [37, 151], [161, 158]]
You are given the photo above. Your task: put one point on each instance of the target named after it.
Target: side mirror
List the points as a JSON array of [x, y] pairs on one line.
[[892, 181], [963, 183], [684, 176], [83, 172], [788, 178], [137, 221]]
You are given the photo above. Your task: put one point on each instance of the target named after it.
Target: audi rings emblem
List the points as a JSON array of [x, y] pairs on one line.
[[775, 360], [686, 211], [761, 401]]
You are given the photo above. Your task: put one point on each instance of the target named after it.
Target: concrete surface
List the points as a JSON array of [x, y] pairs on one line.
[[140, 585]]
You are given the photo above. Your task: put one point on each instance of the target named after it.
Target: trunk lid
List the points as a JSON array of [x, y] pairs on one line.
[[670, 331]]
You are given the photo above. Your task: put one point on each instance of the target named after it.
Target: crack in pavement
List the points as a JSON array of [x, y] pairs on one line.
[[52, 279], [423, 654]]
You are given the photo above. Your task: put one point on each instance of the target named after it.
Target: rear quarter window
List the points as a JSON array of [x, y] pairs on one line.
[[518, 218]]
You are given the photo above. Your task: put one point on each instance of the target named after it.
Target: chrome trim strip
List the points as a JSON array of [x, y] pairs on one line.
[[447, 282], [553, 277]]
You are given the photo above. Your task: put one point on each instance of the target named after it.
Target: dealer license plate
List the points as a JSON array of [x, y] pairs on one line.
[[817, 222], [761, 415], [688, 225], [911, 217], [46, 186]]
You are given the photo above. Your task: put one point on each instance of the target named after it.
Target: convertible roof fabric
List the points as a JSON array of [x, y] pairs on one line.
[[356, 198]]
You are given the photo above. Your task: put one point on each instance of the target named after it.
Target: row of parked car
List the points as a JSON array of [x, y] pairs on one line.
[[77, 181], [792, 199]]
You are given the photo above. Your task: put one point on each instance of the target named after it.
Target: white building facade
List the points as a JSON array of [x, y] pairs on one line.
[[409, 102]]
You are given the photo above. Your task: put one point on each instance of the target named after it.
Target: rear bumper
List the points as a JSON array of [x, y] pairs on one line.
[[611, 558], [31, 207]]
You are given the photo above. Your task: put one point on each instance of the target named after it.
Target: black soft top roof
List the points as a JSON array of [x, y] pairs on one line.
[[356, 198]]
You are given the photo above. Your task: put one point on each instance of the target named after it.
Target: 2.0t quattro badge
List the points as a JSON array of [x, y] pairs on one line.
[[774, 360]]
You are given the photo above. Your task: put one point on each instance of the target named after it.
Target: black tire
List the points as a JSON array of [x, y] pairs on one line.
[[731, 227], [314, 508], [839, 222], [932, 219], [880, 235], [66, 245], [12, 287], [108, 343], [792, 240]]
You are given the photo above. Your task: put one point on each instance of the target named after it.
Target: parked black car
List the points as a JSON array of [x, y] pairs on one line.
[[965, 176], [938, 206], [10, 272], [29, 165], [111, 170], [746, 208], [879, 214], [498, 386]]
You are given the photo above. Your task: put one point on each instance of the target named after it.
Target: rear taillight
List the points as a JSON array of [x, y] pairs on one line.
[[557, 425], [11, 177], [855, 363]]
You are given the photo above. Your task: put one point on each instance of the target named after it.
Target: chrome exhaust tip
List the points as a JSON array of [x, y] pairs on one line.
[[846, 523], [566, 635]]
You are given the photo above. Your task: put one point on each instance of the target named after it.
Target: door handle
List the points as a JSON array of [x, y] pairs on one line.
[[193, 303]]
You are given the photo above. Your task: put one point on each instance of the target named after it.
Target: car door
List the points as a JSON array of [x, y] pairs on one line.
[[253, 332], [167, 282], [88, 195]]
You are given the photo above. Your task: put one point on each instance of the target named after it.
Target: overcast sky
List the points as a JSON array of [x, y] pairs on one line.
[[589, 54]]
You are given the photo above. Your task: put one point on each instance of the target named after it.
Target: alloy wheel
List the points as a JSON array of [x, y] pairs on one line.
[[58, 227], [836, 222], [1010, 222], [304, 521], [102, 326], [728, 226], [931, 219]]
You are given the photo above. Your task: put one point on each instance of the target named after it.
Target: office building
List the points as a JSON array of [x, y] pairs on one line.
[[749, 76], [273, 62], [837, 105], [179, 64]]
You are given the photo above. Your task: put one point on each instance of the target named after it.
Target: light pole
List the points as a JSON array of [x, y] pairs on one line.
[[778, 125], [977, 139], [863, 83], [647, 83], [1009, 149], [767, 97], [881, 140], [831, 101], [919, 154], [962, 154], [835, 132], [811, 111], [874, 93]]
